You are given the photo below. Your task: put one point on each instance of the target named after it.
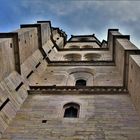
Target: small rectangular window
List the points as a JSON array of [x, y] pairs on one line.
[[11, 45], [44, 121]]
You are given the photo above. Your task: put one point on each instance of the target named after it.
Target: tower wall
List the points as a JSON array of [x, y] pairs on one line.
[[101, 117], [134, 80], [33, 56], [14, 84], [7, 60]]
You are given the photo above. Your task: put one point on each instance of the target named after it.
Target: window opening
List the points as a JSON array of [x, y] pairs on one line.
[[71, 110], [81, 82]]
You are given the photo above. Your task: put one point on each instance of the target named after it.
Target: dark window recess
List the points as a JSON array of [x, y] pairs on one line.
[[81, 82], [49, 51], [19, 86], [57, 38], [31, 35], [44, 121], [71, 112], [11, 45], [25, 42], [37, 65], [6, 101], [29, 74]]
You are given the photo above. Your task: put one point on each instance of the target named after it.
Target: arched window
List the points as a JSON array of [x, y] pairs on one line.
[[72, 57], [81, 82], [92, 56], [71, 110]]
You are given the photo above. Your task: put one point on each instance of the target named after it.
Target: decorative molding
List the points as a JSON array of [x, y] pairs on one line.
[[77, 90]]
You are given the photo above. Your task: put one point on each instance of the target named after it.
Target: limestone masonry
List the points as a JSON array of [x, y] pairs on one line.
[[52, 88]]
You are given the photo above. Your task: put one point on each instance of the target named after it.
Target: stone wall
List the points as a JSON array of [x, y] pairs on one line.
[[36, 45], [45, 32], [93, 55], [14, 84], [127, 61], [7, 59], [121, 46], [67, 76], [104, 117], [82, 45], [134, 80], [28, 42], [111, 33]]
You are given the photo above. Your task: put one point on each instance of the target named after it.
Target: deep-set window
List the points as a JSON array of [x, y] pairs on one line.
[[80, 82], [71, 110]]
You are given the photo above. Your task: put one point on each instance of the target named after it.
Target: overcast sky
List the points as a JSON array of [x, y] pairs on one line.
[[75, 16]]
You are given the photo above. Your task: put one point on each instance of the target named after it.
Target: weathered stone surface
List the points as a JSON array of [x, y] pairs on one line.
[[35, 55], [103, 117]]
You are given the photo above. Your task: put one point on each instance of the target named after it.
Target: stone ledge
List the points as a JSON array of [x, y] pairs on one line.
[[77, 90]]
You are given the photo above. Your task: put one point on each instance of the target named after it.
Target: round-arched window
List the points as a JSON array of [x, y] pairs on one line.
[[92, 56], [80, 82], [72, 57]]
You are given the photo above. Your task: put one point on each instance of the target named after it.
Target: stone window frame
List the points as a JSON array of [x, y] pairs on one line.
[[80, 79], [72, 57], [92, 56], [74, 105]]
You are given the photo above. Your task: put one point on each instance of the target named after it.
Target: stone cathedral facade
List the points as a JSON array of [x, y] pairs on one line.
[[52, 88]]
